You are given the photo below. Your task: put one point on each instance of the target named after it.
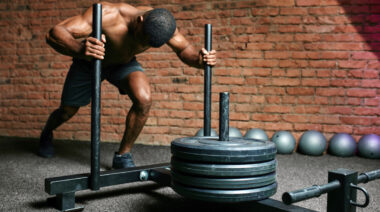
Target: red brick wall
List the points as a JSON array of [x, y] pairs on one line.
[[290, 65]]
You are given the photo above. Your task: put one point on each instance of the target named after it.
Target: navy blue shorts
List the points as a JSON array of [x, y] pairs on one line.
[[77, 88]]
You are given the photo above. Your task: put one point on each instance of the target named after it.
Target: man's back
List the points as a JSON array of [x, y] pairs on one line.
[[122, 41]]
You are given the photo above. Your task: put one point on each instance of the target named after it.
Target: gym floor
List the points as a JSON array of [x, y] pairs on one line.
[[23, 173]]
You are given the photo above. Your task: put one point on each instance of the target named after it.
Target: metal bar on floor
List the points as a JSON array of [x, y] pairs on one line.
[[79, 182]]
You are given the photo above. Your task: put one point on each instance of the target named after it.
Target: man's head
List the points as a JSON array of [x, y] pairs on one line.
[[159, 25]]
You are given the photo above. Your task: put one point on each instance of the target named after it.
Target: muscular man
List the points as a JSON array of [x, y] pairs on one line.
[[127, 31]]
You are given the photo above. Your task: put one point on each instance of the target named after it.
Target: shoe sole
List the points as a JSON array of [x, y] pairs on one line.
[[45, 155]]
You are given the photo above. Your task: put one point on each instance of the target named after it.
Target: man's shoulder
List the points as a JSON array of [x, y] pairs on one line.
[[127, 8], [113, 11], [121, 7], [145, 8], [124, 8]]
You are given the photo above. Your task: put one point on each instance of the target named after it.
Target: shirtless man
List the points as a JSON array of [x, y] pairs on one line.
[[127, 31]]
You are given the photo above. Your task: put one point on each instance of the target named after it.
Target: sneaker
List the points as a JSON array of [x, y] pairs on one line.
[[122, 161], [46, 148]]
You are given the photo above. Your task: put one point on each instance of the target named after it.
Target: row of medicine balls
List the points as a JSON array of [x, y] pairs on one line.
[[314, 143]]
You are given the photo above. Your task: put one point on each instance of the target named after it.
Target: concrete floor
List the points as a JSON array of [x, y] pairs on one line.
[[23, 173]]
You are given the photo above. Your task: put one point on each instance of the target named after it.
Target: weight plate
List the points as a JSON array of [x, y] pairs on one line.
[[209, 149], [219, 195], [223, 170], [224, 183]]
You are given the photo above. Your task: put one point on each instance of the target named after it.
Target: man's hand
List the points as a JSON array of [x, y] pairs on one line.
[[208, 58], [94, 48]]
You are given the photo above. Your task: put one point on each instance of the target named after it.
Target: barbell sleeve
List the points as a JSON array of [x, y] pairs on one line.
[[224, 116], [307, 193], [317, 190], [369, 176]]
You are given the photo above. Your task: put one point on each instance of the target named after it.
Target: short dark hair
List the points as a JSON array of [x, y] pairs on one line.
[[159, 25]]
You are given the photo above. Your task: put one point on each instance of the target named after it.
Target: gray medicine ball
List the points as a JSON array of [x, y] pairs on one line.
[[369, 146], [285, 142], [201, 132], [342, 145], [257, 134], [234, 132], [312, 143]]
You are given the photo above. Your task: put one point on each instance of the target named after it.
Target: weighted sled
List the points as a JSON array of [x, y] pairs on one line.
[[224, 168]]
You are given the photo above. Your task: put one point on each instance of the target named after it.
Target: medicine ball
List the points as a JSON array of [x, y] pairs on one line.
[[285, 142], [234, 132], [257, 134], [312, 143], [342, 145], [369, 146], [201, 132]]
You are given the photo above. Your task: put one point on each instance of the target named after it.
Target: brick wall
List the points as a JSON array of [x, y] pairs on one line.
[[290, 65]]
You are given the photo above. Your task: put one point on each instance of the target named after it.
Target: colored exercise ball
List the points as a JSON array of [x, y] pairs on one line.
[[342, 145], [257, 134], [312, 143], [285, 142], [201, 132], [369, 146], [234, 132]]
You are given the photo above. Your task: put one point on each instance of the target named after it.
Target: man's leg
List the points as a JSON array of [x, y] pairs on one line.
[[138, 89], [58, 117], [136, 85], [76, 93]]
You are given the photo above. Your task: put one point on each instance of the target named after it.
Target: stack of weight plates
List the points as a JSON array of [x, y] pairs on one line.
[[238, 170]]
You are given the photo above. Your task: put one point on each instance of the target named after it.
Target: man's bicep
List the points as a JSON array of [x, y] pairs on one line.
[[178, 42], [78, 26], [185, 51]]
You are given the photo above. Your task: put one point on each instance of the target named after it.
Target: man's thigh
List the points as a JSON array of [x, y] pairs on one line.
[[122, 77], [77, 88]]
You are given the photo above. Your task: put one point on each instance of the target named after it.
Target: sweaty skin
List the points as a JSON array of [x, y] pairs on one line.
[[122, 39]]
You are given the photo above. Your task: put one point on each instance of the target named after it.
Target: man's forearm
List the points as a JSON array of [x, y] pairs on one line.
[[63, 42], [191, 57]]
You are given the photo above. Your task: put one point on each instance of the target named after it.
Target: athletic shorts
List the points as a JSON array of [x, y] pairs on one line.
[[77, 88]]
